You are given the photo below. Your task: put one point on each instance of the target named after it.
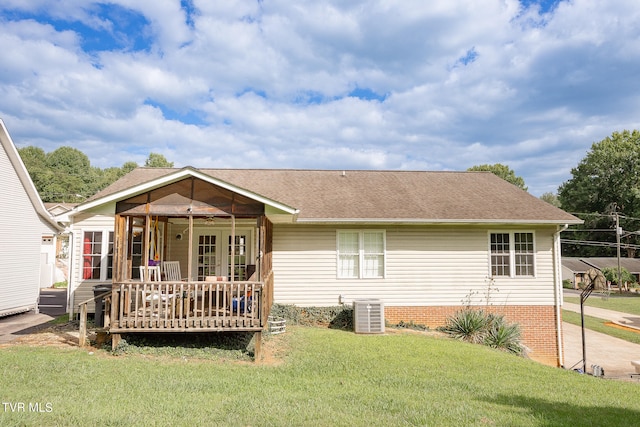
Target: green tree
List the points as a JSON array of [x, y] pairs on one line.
[[551, 198], [606, 181], [128, 167], [156, 160], [35, 160], [504, 172], [66, 174], [71, 176]]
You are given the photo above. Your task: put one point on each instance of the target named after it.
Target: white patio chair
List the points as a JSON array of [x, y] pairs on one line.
[[152, 274], [171, 270]]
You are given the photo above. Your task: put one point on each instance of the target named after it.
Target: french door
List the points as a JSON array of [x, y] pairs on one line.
[[213, 257]]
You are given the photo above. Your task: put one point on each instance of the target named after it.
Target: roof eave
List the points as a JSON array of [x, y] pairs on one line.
[[424, 221], [174, 177]]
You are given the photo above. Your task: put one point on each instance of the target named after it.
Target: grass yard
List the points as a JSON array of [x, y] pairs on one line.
[[600, 325], [313, 377], [626, 303]]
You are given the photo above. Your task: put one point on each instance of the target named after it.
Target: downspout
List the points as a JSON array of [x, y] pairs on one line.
[[557, 281], [71, 274]]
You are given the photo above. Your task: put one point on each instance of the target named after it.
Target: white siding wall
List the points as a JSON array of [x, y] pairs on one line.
[[424, 266], [81, 290], [21, 230]]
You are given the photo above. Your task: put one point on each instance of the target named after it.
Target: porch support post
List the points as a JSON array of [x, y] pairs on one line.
[[147, 235], [190, 250], [120, 243], [82, 337], [115, 340], [233, 247], [257, 353]]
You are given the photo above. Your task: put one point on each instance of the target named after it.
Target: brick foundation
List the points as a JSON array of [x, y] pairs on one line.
[[537, 324]]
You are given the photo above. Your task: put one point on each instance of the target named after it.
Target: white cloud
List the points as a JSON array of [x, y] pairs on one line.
[[266, 84]]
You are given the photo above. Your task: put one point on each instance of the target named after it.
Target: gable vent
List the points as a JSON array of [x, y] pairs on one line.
[[368, 316]]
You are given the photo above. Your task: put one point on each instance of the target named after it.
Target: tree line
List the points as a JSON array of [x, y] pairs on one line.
[[65, 175], [604, 189]]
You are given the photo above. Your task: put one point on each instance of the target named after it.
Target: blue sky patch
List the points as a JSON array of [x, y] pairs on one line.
[[259, 92], [190, 11], [310, 97], [367, 94], [191, 117], [545, 5], [469, 57], [114, 28]]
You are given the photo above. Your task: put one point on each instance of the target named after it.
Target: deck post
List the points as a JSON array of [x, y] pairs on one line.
[[82, 336], [115, 340], [257, 353]]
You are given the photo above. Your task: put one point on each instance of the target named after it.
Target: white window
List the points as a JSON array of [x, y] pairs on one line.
[[97, 255], [361, 254], [512, 254]]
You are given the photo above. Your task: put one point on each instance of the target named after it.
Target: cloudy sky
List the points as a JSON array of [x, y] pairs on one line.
[[323, 84]]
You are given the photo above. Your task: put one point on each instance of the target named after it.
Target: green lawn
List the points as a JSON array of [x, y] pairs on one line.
[[599, 325], [320, 377], [626, 303]]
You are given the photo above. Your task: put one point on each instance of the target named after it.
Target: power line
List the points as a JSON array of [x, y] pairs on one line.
[[601, 244]]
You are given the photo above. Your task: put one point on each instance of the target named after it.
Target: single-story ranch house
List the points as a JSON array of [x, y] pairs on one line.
[[211, 249]]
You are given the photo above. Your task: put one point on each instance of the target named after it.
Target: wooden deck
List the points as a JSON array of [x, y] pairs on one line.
[[186, 307]]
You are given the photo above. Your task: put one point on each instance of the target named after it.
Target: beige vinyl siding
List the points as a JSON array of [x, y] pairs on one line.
[[82, 290], [21, 231], [424, 266]]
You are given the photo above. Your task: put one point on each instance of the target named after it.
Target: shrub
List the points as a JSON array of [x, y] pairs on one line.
[[504, 336], [611, 274], [410, 325], [467, 325], [337, 317], [480, 327]]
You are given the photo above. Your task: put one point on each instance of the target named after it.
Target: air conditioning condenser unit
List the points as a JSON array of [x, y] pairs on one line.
[[368, 316]]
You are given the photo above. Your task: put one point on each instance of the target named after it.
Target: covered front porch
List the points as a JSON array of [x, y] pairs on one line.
[[189, 256]]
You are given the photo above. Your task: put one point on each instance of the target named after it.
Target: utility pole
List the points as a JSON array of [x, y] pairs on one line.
[[618, 234]]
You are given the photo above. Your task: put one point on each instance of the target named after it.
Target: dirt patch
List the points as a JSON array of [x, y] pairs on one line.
[[64, 335]]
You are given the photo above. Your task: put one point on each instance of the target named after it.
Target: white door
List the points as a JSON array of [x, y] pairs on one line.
[[212, 249], [208, 254], [240, 256]]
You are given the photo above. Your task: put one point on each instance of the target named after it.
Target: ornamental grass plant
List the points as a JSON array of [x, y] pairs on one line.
[[481, 327]]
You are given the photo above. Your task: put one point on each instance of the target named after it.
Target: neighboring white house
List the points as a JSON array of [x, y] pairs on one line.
[[27, 235], [424, 243]]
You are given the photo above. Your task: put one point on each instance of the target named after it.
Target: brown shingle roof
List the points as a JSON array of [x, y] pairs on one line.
[[379, 195]]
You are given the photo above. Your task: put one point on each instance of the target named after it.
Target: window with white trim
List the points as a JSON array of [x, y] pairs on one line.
[[97, 255], [512, 254], [361, 254]]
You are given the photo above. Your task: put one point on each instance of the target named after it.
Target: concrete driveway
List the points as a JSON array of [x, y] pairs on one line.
[[52, 304], [612, 354]]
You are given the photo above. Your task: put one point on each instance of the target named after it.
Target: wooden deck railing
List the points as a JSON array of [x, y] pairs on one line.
[[194, 306], [82, 337]]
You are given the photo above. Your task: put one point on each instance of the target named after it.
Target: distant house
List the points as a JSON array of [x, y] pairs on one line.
[[425, 244], [60, 213], [28, 235], [574, 269]]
